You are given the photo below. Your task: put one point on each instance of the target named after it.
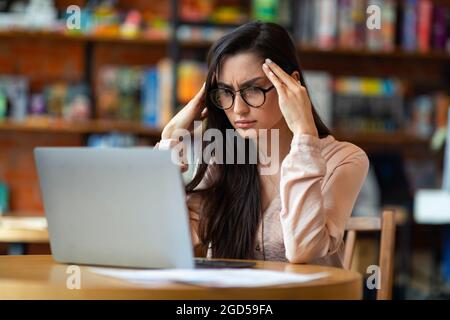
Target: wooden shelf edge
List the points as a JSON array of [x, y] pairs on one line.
[[199, 43], [81, 37], [395, 54], [109, 126], [82, 127], [388, 139]]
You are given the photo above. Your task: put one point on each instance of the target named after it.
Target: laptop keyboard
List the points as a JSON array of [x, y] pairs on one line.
[[206, 263]]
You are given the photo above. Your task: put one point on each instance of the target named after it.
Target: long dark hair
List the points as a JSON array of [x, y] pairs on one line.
[[231, 202]]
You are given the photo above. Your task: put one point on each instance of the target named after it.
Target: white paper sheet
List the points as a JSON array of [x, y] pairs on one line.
[[209, 277], [23, 223]]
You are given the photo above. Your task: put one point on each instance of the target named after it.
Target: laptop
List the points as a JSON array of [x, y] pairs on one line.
[[117, 207]]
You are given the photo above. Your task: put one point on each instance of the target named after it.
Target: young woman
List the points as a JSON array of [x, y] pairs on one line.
[[297, 214]]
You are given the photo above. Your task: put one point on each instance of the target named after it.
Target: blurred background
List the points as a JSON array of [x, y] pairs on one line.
[[112, 73]]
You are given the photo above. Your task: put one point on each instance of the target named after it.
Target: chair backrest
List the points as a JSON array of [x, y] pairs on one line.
[[386, 225]]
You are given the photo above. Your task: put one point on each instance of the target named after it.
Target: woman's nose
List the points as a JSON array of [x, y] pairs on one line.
[[240, 107]]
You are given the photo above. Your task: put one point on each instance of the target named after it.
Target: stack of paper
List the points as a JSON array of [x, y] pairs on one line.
[[24, 223], [209, 277]]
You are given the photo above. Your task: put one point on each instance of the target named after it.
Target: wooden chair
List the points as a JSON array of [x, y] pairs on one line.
[[386, 225]]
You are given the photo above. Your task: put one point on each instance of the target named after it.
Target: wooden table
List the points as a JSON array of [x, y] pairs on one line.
[[39, 277]]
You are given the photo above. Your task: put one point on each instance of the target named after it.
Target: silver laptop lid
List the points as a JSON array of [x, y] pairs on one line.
[[117, 207]]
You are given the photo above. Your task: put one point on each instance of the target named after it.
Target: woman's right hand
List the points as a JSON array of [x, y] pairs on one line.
[[184, 119]]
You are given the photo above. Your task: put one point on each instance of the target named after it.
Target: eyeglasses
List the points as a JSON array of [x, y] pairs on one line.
[[253, 96]]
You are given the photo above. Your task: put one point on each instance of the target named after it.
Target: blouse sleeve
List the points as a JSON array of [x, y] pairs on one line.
[[316, 205]]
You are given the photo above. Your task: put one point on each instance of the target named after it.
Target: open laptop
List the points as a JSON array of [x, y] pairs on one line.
[[117, 207]]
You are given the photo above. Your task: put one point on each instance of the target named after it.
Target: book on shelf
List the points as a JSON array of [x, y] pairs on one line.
[[422, 122], [389, 22], [13, 97], [326, 23], [4, 197], [428, 113], [112, 140], [191, 75], [346, 25], [440, 29], [320, 89], [446, 178], [424, 15], [409, 25], [421, 174], [382, 39], [156, 94]]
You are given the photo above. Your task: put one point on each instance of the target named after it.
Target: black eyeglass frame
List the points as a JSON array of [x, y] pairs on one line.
[[264, 91]]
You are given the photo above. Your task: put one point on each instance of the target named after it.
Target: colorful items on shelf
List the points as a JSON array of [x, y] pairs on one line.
[[3, 104], [156, 98], [33, 14], [429, 114], [68, 101], [196, 10], [135, 93], [422, 116], [230, 15], [194, 33], [368, 104], [329, 24], [118, 93], [265, 10], [156, 27], [191, 75], [376, 105], [13, 97], [211, 11], [112, 140], [141, 94], [105, 19], [425, 26]]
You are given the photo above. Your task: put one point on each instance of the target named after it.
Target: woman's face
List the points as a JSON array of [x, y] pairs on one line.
[[239, 72]]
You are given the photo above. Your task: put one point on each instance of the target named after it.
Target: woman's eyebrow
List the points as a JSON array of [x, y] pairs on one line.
[[243, 84]]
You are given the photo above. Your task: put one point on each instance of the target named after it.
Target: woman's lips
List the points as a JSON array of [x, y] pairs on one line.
[[245, 123]]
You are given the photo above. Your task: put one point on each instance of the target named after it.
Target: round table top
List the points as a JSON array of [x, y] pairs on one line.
[[40, 277]]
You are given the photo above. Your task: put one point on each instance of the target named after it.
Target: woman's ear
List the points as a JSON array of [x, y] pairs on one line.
[[295, 75]]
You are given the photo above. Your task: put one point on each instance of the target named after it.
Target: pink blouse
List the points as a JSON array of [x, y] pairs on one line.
[[319, 182]]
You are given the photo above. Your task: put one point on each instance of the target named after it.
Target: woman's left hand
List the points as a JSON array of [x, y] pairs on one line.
[[293, 99]]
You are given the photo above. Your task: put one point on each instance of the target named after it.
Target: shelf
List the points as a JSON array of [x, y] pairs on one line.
[[58, 36], [84, 127], [381, 139], [395, 54], [208, 24], [105, 126]]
